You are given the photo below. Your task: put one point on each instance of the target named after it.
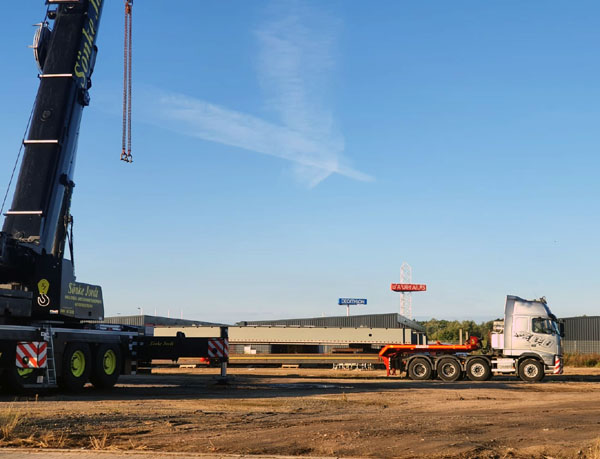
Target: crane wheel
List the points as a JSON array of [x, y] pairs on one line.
[[419, 369], [76, 366], [448, 370], [106, 366], [15, 379], [478, 370], [531, 370]]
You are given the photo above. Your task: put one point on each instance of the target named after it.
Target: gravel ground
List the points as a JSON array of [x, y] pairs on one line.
[[304, 412]]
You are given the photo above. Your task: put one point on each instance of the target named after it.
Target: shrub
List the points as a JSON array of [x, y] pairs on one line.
[[582, 360]]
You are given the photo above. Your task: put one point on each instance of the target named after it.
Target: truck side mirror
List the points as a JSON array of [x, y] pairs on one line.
[[561, 328]]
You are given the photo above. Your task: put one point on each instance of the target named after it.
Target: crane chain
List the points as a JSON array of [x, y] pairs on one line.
[[127, 58]]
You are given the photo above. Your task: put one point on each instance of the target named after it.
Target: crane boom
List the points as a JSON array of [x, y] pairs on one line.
[[32, 241]]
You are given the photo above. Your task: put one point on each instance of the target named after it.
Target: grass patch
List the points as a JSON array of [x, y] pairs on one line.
[[15, 433], [10, 420], [98, 442], [50, 440], [593, 452], [582, 360]]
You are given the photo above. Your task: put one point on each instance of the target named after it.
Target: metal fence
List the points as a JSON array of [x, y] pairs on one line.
[[581, 347]]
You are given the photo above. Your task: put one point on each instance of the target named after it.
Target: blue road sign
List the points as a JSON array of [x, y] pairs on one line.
[[347, 301]]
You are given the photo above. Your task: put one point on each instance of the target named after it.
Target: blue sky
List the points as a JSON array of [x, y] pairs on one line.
[[287, 154]]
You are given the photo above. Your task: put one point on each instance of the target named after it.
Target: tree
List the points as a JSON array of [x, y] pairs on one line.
[[449, 331]]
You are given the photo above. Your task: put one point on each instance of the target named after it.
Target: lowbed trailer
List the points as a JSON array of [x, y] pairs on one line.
[[526, 343], [47, 355]]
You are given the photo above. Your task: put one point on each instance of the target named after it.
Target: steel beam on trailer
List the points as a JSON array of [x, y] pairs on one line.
[[298, 335]]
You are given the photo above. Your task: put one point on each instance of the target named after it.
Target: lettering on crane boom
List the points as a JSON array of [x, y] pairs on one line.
[[83, 63]]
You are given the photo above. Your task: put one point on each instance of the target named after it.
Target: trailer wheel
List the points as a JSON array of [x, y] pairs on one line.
[[448, 370], [419, 369], [478, 370], [106, 366], [76, 366], [531, 370]]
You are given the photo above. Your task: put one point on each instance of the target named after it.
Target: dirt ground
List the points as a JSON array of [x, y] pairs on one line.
[[316, 413]]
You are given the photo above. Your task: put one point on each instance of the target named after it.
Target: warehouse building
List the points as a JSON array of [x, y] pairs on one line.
[[582, 335], [389, 320], [365, 333], [155, 321]]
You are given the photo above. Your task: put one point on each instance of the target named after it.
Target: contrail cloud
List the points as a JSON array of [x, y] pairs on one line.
[[294, 67]]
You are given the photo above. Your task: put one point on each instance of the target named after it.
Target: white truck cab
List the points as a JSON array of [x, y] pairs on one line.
[[528, 340]]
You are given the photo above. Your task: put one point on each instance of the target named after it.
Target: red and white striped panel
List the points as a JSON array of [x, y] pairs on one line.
[[32, 354], [558, 366], [218, 347]]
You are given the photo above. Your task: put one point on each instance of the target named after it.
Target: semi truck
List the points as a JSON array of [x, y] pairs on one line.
[[527, 343], [50, 323]]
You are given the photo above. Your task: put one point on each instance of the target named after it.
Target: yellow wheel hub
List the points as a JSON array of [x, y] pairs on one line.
[[24, 372], [77, 363], [109, 362]]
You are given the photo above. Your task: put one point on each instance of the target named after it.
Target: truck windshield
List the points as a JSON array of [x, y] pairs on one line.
[[547, 326]]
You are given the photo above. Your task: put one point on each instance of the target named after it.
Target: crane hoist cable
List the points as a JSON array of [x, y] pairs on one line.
[[126, 146], [12, 175]]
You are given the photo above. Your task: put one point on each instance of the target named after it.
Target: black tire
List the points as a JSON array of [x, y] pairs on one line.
[[76, 367], [419, 369], [448, 370], [478, 370], [397, 364], [106, 366], [531, 370], [14, 379]]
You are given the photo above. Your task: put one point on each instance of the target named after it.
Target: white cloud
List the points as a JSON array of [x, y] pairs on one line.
[[197, 118], [294, 69]]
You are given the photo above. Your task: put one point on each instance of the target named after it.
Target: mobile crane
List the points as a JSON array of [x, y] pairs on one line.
[[49, 330]]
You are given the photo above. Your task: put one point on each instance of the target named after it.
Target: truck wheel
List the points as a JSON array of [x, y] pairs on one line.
[[106, 366], [531, 370], [478, 370], [76, 366], [15, 379], [448, 370], [419, 369]]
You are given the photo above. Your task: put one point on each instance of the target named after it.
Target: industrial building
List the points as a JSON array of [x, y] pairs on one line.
[[156, 321], [582, 335], [388, 320], [325, 334], [311, 341]]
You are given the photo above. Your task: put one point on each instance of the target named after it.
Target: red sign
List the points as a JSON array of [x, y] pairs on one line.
[[409, 287]]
